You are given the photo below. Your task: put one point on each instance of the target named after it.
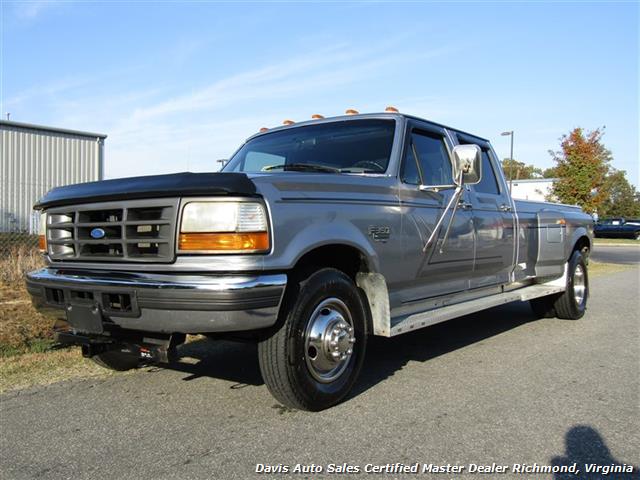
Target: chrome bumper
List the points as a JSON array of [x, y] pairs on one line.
[[158, 302]]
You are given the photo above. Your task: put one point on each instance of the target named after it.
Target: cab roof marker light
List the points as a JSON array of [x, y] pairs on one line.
[[351, 111], [391, 109], [288, 122], [263, 129], [317, 116]]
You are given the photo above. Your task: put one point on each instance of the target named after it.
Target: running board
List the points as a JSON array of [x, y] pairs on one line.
[[441, 314]]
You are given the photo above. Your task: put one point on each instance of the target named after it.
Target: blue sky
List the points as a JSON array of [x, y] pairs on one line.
[[177, 85]]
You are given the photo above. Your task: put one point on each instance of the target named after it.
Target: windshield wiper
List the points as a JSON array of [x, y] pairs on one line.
[[302, 167]]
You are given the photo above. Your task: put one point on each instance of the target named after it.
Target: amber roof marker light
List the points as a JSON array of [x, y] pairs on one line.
[[391, 109], [288, 122], [264, 129], [351, 111], [317, 116]]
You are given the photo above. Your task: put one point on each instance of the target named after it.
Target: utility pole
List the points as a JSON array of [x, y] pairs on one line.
[[510, 134]]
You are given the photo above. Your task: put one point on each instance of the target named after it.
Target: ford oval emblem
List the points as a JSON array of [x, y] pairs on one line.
[[98, 233]]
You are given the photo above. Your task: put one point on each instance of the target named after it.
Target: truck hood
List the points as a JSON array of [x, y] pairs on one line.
[[153, 186]]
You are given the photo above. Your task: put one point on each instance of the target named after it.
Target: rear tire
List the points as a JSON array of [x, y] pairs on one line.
[[572, 303], [116, 360], [313, 358]]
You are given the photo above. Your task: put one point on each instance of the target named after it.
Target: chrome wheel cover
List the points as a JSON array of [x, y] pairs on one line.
[[579, 285], [329, 340]]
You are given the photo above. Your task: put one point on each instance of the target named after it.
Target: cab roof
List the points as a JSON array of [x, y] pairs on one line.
[[342, 118]]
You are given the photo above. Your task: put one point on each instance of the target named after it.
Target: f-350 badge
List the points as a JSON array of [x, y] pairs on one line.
[[379, 233]]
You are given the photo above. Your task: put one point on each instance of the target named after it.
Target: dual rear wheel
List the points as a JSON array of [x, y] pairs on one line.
[[572, 303]]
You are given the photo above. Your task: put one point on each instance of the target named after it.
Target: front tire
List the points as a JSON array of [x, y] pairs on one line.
[[572, 303], [314, 357]]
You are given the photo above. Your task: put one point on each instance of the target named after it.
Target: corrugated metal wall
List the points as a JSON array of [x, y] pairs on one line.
[[36, 159]]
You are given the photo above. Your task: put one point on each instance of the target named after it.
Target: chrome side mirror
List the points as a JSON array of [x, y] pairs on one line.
[[467, 164]]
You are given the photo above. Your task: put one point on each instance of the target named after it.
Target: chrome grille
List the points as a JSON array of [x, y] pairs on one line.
[[131, 231]]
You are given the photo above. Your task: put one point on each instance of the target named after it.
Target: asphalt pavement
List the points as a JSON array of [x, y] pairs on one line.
[[623, 255], [497, 386]]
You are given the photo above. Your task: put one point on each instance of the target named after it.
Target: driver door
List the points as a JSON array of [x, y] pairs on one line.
[[427, 162]]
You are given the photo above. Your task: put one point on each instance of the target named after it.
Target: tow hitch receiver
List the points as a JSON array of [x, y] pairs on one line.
[[147, 349]]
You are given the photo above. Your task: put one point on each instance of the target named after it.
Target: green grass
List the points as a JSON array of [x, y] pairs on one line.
[[608, 241], [36, 345], [52, 366], [597, 269]]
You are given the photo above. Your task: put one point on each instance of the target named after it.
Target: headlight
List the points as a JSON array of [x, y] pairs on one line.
[[42, 233], [223, 227]]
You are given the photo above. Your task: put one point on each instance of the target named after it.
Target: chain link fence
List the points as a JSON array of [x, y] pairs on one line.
[[19, 235], [19, 252], [12, 241]]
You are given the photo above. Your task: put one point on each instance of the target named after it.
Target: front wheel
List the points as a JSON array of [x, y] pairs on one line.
[[572, 303], [313, 359]]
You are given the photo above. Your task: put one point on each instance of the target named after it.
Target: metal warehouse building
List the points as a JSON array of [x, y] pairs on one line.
[[36, 158]]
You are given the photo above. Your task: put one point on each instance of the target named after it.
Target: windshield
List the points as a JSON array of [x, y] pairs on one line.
[[352, 146]]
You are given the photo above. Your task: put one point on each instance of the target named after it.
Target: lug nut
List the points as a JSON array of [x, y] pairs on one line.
[[333, 343], [352, 340], [335, 354]]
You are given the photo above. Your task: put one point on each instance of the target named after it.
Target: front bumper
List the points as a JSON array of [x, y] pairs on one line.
[[96, 300]]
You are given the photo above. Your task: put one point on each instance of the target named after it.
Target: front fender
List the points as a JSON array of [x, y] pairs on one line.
[[289, 250]]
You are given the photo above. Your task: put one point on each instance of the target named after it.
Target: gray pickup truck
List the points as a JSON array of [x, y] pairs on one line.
[[315, 236]]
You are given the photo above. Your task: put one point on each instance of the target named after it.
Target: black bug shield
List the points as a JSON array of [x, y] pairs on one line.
[[153, 186]]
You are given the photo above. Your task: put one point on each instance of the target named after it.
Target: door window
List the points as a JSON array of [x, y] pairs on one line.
[[488, 183], [430, 164]]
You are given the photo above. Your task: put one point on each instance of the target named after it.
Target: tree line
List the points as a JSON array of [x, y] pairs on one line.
[[584, 175]]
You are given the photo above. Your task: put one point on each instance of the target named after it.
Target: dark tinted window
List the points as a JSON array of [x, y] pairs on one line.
[[356, 146], [488, 182], [410, 172], [433, 159]]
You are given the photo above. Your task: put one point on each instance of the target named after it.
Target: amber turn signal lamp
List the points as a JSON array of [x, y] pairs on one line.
[[224, 242], [42, 243]]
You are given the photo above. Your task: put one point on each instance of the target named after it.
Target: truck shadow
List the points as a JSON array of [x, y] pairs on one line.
[[238, 363], [385, 356], [233, 361]]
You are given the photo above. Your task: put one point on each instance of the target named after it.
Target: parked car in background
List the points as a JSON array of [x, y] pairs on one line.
[[618, 228]]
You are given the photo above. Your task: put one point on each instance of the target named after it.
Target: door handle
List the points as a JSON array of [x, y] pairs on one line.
[[505, 208]]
